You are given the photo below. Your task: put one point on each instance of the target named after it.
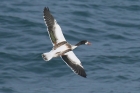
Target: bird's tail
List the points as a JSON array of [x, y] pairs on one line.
[[48, 56]]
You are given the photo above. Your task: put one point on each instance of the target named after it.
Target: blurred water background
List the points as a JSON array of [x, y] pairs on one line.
[[112, 62]]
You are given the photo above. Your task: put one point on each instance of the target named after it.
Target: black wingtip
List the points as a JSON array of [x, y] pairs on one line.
[[85, 76], [46, 8]]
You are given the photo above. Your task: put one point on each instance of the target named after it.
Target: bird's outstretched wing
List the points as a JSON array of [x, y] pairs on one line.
[[74, 63], [54, 29]]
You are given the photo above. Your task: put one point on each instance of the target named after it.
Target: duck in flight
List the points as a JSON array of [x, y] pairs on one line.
[[61, 48]]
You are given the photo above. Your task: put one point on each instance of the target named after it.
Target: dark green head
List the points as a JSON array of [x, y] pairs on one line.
[[83, 42]]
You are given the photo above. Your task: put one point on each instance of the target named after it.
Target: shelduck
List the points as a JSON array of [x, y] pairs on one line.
[[61, 48]]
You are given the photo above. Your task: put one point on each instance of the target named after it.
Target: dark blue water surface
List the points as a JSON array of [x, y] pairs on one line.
[[112, 62]]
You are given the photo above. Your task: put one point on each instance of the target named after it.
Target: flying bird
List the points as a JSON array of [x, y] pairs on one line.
[[61, 48]]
